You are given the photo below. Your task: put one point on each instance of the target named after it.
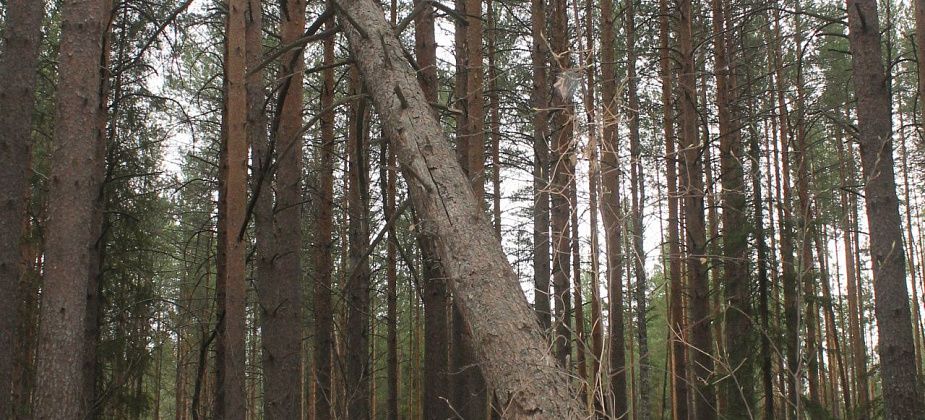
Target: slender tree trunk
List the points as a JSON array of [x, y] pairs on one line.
[[494, 96], [610, 212], [100, 221], [387, 181], [562, 132], [231, 397], [737, 389], [791, 305], [854, 320], [677, 325], [638, 186], [693, 191], [541, 257], [73, 189], [357, 282], [509, 345], [919, 11], [324, 244], [597, 335], [897, 349], [471, 393], [18, 68], [436, 322]]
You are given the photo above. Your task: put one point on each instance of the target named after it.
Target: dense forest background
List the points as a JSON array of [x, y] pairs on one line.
[[482, 209]]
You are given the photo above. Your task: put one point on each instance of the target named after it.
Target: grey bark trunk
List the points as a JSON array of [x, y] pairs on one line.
[[507, 340]]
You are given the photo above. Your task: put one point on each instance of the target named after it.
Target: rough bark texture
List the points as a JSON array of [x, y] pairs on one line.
[[73, 189], [231, 398], [279, 290], [509, 345], [901, 395], [324, 244], [18, 69], [610, 211]]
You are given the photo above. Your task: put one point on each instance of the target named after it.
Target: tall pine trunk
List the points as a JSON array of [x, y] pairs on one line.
[[901, 395], [693, 195], [610, 212], [18, 68], [357, 280], [324, 243], [231, 396], [280, 294], [73, 188]]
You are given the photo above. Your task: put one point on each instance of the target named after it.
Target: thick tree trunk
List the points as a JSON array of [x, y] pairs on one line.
[[693, 192], [324, 243], [610, 211], [897, 349], [510, 347], [280, 294], [73, 189], [18, 69]]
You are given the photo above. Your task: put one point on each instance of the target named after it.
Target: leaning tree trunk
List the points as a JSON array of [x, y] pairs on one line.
[[17, 99], [508, 342], [901, 396], [73, 186]]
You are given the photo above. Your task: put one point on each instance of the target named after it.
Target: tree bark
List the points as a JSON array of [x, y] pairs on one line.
[[693, 193], [357, 282], [897, 349], [436, 322], [73, 189], [737, 389], [677, 326], [280, 294], [231, 398], [324, 243], [610, 211], [18, 68], [509, 345], [541, 244], [638, 191]]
